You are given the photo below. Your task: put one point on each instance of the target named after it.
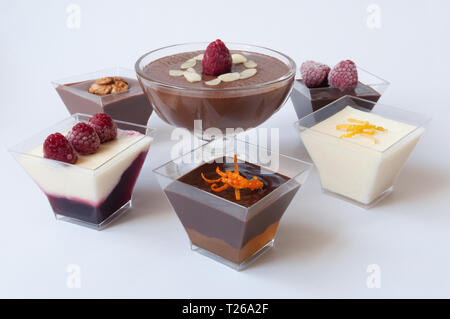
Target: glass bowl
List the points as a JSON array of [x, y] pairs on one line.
[[232, 232], [218, 108]]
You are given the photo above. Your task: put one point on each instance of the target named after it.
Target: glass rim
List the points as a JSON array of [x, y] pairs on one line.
[[11, 149], [290, 74], [308, 167], [63, 81], [92, 76], [426, 119]]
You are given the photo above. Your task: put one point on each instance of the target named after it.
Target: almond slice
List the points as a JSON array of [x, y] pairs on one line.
[[191, 70], [188, 64], [176, 72], [198, 57], [192, 77], [238, 58], [247, 73], [213, 82], [229, 77], [250, 64]]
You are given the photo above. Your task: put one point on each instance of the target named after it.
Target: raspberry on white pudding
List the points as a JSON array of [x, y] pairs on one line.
[[99, 186], [359, 152]]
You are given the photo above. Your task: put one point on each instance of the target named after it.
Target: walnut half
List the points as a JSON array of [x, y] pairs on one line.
[[108, 85]]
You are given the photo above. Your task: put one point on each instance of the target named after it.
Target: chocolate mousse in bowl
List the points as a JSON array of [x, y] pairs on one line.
[[236, 86]]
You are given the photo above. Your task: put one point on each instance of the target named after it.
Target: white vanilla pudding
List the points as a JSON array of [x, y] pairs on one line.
[[359, 154], [93, 177]]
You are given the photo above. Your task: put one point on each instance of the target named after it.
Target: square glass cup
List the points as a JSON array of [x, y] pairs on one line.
[[360, 174], [307, 100], [222, 228], [88, 196], [129, 106]]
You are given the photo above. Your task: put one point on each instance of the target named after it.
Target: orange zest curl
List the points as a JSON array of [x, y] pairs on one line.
[[233, 179], [364, 128]]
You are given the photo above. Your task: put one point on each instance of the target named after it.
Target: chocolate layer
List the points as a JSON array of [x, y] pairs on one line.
[[213, 217], [128, 106], [231, 108], [222, 249], [325, 95], [119, 196]]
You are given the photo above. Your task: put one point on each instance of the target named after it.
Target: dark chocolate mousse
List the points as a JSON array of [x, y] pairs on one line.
[[124, 103], [243, 102], [321, 85], [307, 100], [231, 228]]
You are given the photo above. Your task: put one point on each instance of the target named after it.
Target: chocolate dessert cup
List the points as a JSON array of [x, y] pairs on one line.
[[94, 194], [308, 100], [241, 104], [231, 231], [128, 106]]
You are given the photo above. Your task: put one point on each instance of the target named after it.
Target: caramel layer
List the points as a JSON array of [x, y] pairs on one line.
[[222, 249]]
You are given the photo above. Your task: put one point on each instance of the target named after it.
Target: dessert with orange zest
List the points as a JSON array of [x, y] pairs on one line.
[[231, 208], [233, 179], [359, 152]]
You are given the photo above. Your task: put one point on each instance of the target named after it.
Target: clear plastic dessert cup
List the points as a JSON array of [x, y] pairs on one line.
[[233, 232], [128, 106], [307, 100], [98, 187], [240, 107], [362, 168]]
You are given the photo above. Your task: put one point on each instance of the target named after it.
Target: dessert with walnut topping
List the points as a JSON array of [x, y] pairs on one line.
[[114, 91]]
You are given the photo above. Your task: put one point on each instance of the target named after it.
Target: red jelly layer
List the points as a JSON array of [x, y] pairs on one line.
[[119, 196]]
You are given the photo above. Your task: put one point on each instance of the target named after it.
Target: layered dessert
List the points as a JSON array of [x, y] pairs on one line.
[[222, 88], [231, 209], [88, 172], [121, 97], [359, 153], [320, 85]]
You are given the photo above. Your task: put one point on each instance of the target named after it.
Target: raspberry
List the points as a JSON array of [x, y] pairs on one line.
[[57, 147], [104, 126], [314, 74], [216, 59], [344, 75], [84, 139]]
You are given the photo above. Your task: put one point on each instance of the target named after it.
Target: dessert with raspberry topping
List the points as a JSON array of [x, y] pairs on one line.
[[231, 206], [359, 151], [113, 91], [320, 85], [224, 85], [88, 180]]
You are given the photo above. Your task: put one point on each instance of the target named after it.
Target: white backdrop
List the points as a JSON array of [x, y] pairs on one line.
[[324, 245]]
